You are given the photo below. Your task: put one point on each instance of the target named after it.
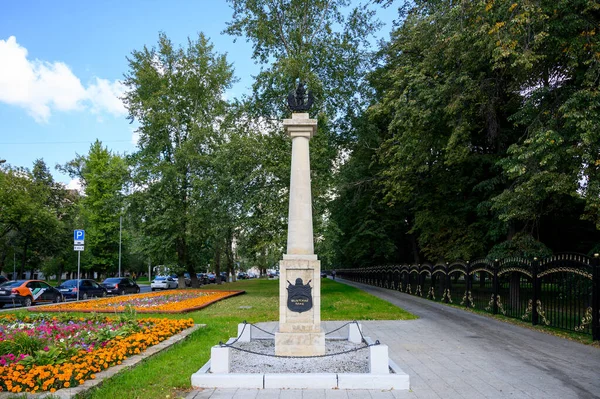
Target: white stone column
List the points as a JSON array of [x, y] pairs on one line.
[[300, 332]]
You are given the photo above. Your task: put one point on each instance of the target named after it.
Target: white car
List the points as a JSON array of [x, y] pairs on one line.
[[163, 283]]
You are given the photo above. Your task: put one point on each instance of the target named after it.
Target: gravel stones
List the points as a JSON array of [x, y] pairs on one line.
[[351, 362]]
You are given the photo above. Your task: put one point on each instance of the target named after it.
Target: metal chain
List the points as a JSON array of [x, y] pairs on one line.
[[337, 329], [299, 357], [260, 329], [270, 333]]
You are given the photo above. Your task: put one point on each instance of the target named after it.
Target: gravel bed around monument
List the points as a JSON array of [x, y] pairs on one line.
[[352, 362]]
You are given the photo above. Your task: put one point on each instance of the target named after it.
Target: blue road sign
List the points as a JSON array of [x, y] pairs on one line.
[[79, 235]]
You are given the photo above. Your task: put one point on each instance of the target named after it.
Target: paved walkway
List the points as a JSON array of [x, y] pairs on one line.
[[450, 353]]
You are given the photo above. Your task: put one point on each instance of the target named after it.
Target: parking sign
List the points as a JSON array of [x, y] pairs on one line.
[[79, 237]]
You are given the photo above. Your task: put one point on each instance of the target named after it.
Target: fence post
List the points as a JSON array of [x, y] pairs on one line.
[[495, 288], [447, 298], [596, 298], [536, 285], [468, 286]]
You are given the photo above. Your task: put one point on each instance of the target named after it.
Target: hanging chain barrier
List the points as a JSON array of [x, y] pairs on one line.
[[362, 338]]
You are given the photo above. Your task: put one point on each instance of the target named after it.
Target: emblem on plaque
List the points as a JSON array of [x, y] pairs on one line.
[[299, 296]]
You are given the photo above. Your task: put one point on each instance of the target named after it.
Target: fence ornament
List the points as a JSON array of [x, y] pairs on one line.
[[447, 295], [418, 291], [585, 320], [431, 293], [528, 310], [468, 299], [565, 270], [541, 313], [408, 289], [498, 304]]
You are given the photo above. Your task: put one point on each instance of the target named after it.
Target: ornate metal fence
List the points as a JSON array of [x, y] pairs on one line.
[[562, 291]]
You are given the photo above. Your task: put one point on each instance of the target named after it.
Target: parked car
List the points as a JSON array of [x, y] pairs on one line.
[[224, 277], [186, 278], [3, 279], [202, 277], [242, 276], [120, 286], [87, 288], [211, 278], [28, 292], [323, 274], [163, 283]]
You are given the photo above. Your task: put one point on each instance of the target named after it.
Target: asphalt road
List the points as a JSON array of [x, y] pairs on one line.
[[450, 352]]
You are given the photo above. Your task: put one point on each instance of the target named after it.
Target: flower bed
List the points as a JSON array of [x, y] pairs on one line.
[[42, 352], [176, 301]]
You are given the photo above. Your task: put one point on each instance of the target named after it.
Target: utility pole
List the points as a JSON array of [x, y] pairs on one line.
[[120, 228]]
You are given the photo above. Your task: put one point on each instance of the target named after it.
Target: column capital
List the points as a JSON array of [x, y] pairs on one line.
[[300, 126]]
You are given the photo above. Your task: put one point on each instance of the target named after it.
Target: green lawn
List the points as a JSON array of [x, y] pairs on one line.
[[167, 375]]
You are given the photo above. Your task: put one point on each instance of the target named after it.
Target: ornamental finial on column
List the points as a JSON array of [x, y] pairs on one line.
[[300, 99]]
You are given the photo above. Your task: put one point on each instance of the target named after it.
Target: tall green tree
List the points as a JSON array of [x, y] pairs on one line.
[[325, 44], [32, 209], [552, 52], [103, 176], [176, 95]]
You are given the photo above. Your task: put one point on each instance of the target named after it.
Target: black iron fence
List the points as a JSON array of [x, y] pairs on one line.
[[562, 291]]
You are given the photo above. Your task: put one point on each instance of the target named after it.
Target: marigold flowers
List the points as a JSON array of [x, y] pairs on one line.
[[91, 345], [178, 301]]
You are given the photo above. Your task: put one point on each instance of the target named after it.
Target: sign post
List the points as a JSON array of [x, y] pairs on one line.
[[78, 245]]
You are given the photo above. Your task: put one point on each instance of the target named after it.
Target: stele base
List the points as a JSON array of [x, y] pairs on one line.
[[300, 332]]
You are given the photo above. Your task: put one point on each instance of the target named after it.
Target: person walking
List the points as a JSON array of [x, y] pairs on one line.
[[133, 276], [333, 274]]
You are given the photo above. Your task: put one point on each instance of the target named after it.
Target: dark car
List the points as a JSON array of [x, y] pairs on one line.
[[3, 279], [323, 274], [120, 286], [28, 292], [86, 288], [242, 276], [202, 278]]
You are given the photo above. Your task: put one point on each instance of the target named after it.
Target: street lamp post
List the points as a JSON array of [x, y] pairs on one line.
[[120, 228]]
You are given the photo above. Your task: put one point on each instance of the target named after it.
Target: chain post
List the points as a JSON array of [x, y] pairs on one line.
[[495, 287], [536, 286]]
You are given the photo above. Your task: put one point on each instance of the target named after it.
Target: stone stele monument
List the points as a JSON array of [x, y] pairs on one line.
[[299, 272]]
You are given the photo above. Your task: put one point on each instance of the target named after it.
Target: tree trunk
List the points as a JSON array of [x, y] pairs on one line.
[[415, 249], [3, 260], [218, 265], [61, 266], [229, 253]]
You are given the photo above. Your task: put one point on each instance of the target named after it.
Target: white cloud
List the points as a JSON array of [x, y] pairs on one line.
[[135, 137], [42, 87], [104, 96], [75, 184]]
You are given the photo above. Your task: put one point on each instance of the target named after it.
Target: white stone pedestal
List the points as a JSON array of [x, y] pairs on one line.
[[299, 332]]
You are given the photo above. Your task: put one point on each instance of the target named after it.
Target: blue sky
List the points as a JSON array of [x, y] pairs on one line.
[[60, 63]]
